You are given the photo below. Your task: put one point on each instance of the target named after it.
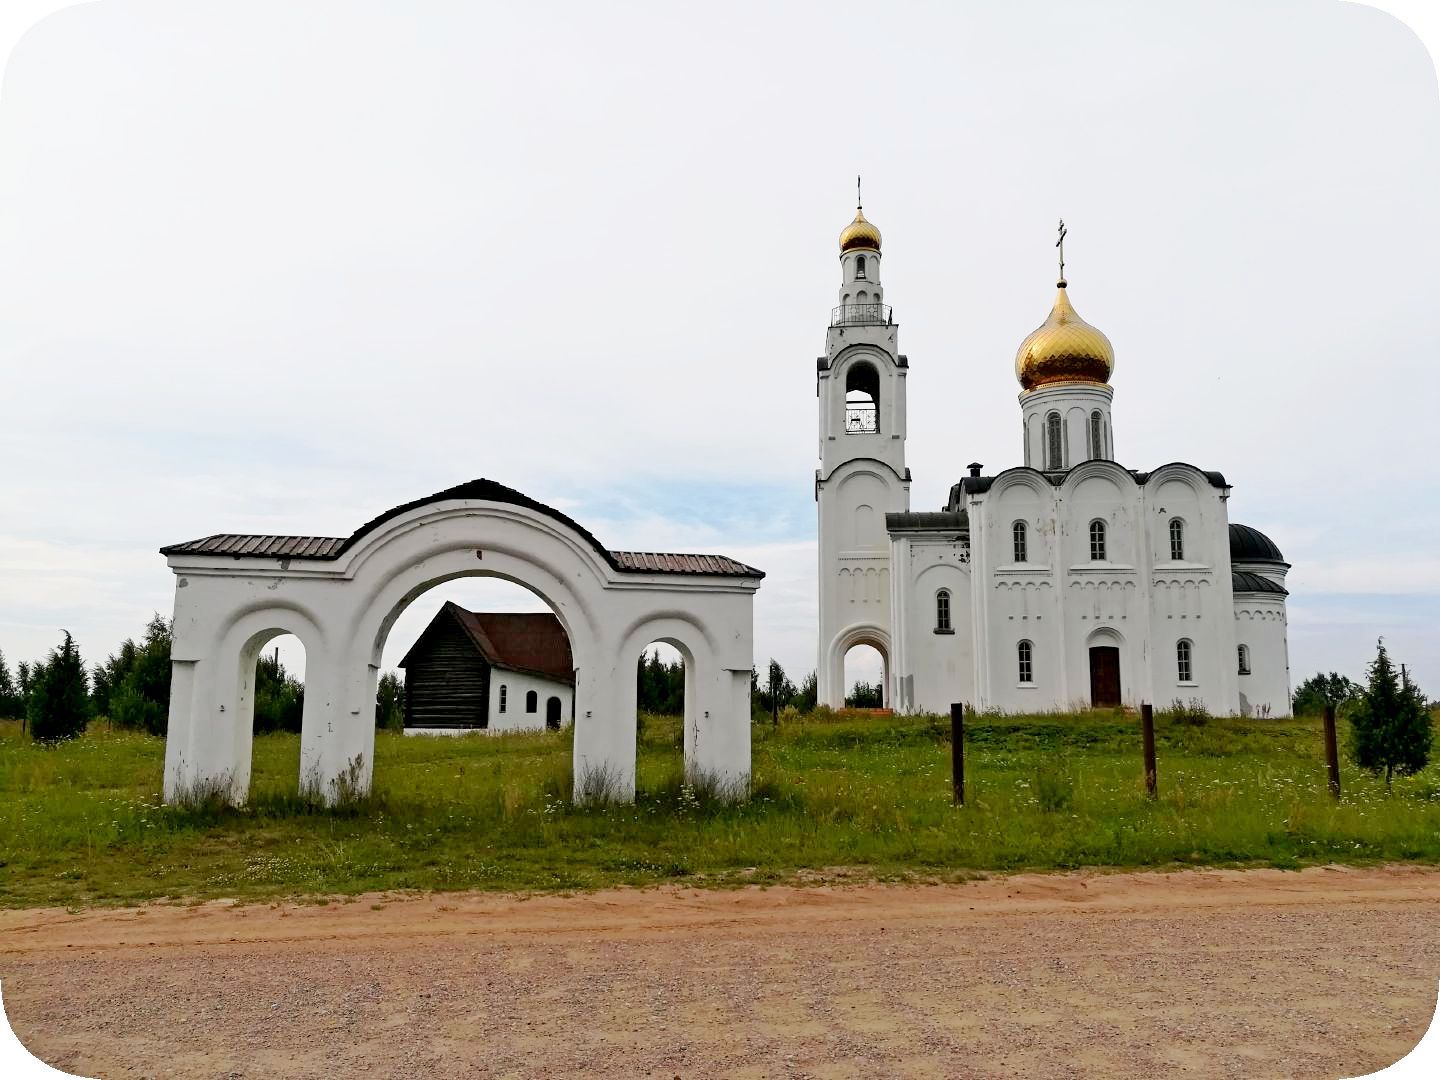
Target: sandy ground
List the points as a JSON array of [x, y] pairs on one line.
[[1322, 973]]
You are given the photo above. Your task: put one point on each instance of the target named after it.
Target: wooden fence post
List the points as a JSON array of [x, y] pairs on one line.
[[1147, 732], [1332, 753], [957, 752]]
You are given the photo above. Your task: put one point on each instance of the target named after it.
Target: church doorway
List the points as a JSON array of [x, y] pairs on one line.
[[1104, 676], [552, 714]]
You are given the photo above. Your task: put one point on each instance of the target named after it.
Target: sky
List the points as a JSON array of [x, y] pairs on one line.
[[276, 267]]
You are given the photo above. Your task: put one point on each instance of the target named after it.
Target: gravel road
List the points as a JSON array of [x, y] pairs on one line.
[[1327, 972]]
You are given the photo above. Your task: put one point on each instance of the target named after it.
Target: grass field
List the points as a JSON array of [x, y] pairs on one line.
[[82, 824]]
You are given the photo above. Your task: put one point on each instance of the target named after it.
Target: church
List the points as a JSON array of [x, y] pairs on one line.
[[1066, 581]]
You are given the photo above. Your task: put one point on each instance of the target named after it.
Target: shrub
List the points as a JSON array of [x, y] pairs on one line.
[[1192, 712], [1054, 787]]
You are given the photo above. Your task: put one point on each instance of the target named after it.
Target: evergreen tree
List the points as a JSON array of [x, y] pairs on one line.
[[1390, 728], [109, 675], [660, 687], [59, 705], [141, 699], [11, 704], [279, 697]]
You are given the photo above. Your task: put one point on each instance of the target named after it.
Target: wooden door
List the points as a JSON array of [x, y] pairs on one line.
[[1105, 676]]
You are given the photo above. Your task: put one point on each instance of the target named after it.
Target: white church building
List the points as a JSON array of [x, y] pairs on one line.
[[1065, 581]]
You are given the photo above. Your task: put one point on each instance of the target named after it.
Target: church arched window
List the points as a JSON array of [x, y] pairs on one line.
[[1025, 661], [942, 612], [1244, 652], [860, 266], [1097, 541], [503, 689], [1097, 436], [1054, 455], [532, 701], [1017, 535], [862, 397], [1184, 657], [1177, 539]]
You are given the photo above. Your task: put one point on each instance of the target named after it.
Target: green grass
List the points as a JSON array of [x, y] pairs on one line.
[[82, 824]]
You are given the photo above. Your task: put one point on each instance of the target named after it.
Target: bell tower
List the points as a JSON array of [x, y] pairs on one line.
[[862, 475]]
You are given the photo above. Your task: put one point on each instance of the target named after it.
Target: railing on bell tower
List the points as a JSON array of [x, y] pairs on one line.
[[860, 315]]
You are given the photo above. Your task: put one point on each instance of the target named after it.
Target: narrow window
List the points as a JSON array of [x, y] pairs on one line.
[[942, 610], [1018, 531], [1054, 457], [1097, 437], [1244, 659], [860, 266], [1177, 539], [1183, 671], [502, 697], [1025, 653], [1097, 541], [532, 701]]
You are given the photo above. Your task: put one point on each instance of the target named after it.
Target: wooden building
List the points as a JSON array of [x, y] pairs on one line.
[[495, 671]]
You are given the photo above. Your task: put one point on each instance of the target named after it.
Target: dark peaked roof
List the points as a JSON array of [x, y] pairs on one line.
[[1245, 581], [1251, 545], [940, 520], [240, 545], [977, 485], [531, 643]]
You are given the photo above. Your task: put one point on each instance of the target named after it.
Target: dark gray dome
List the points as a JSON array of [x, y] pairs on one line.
[[1251, 545]]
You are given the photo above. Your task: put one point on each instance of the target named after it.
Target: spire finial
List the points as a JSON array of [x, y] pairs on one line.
[[858, 204], [1061, 245]]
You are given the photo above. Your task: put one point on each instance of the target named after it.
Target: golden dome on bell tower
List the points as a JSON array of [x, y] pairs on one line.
[[1064, 348], [859, 235]]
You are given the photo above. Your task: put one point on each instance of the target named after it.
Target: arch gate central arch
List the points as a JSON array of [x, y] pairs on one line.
[[341, 597]]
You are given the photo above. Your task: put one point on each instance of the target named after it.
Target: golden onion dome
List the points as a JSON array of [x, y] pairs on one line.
[[859, 235], [1064, 349]]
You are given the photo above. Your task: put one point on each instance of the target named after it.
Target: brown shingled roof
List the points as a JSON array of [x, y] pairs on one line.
[[533, 643]]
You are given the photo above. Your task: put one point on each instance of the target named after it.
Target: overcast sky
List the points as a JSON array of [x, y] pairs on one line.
[[276, 267]]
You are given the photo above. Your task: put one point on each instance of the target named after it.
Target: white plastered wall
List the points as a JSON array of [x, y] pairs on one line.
[[1260, 625], [226, 608], [1136, 599], [931, 669]]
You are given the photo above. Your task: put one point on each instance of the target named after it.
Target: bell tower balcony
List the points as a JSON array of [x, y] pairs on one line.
[[861, 315]]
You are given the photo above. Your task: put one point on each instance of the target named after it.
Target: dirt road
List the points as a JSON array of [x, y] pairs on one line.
[[1322, 973]]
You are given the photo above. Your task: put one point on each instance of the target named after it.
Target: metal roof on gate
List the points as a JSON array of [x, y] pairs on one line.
[[242, 546]]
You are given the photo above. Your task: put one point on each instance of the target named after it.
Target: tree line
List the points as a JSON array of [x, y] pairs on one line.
[[57, 698], [1391, 727]]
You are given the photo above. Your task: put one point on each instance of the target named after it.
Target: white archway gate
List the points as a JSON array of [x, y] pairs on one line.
[[341, 596]]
